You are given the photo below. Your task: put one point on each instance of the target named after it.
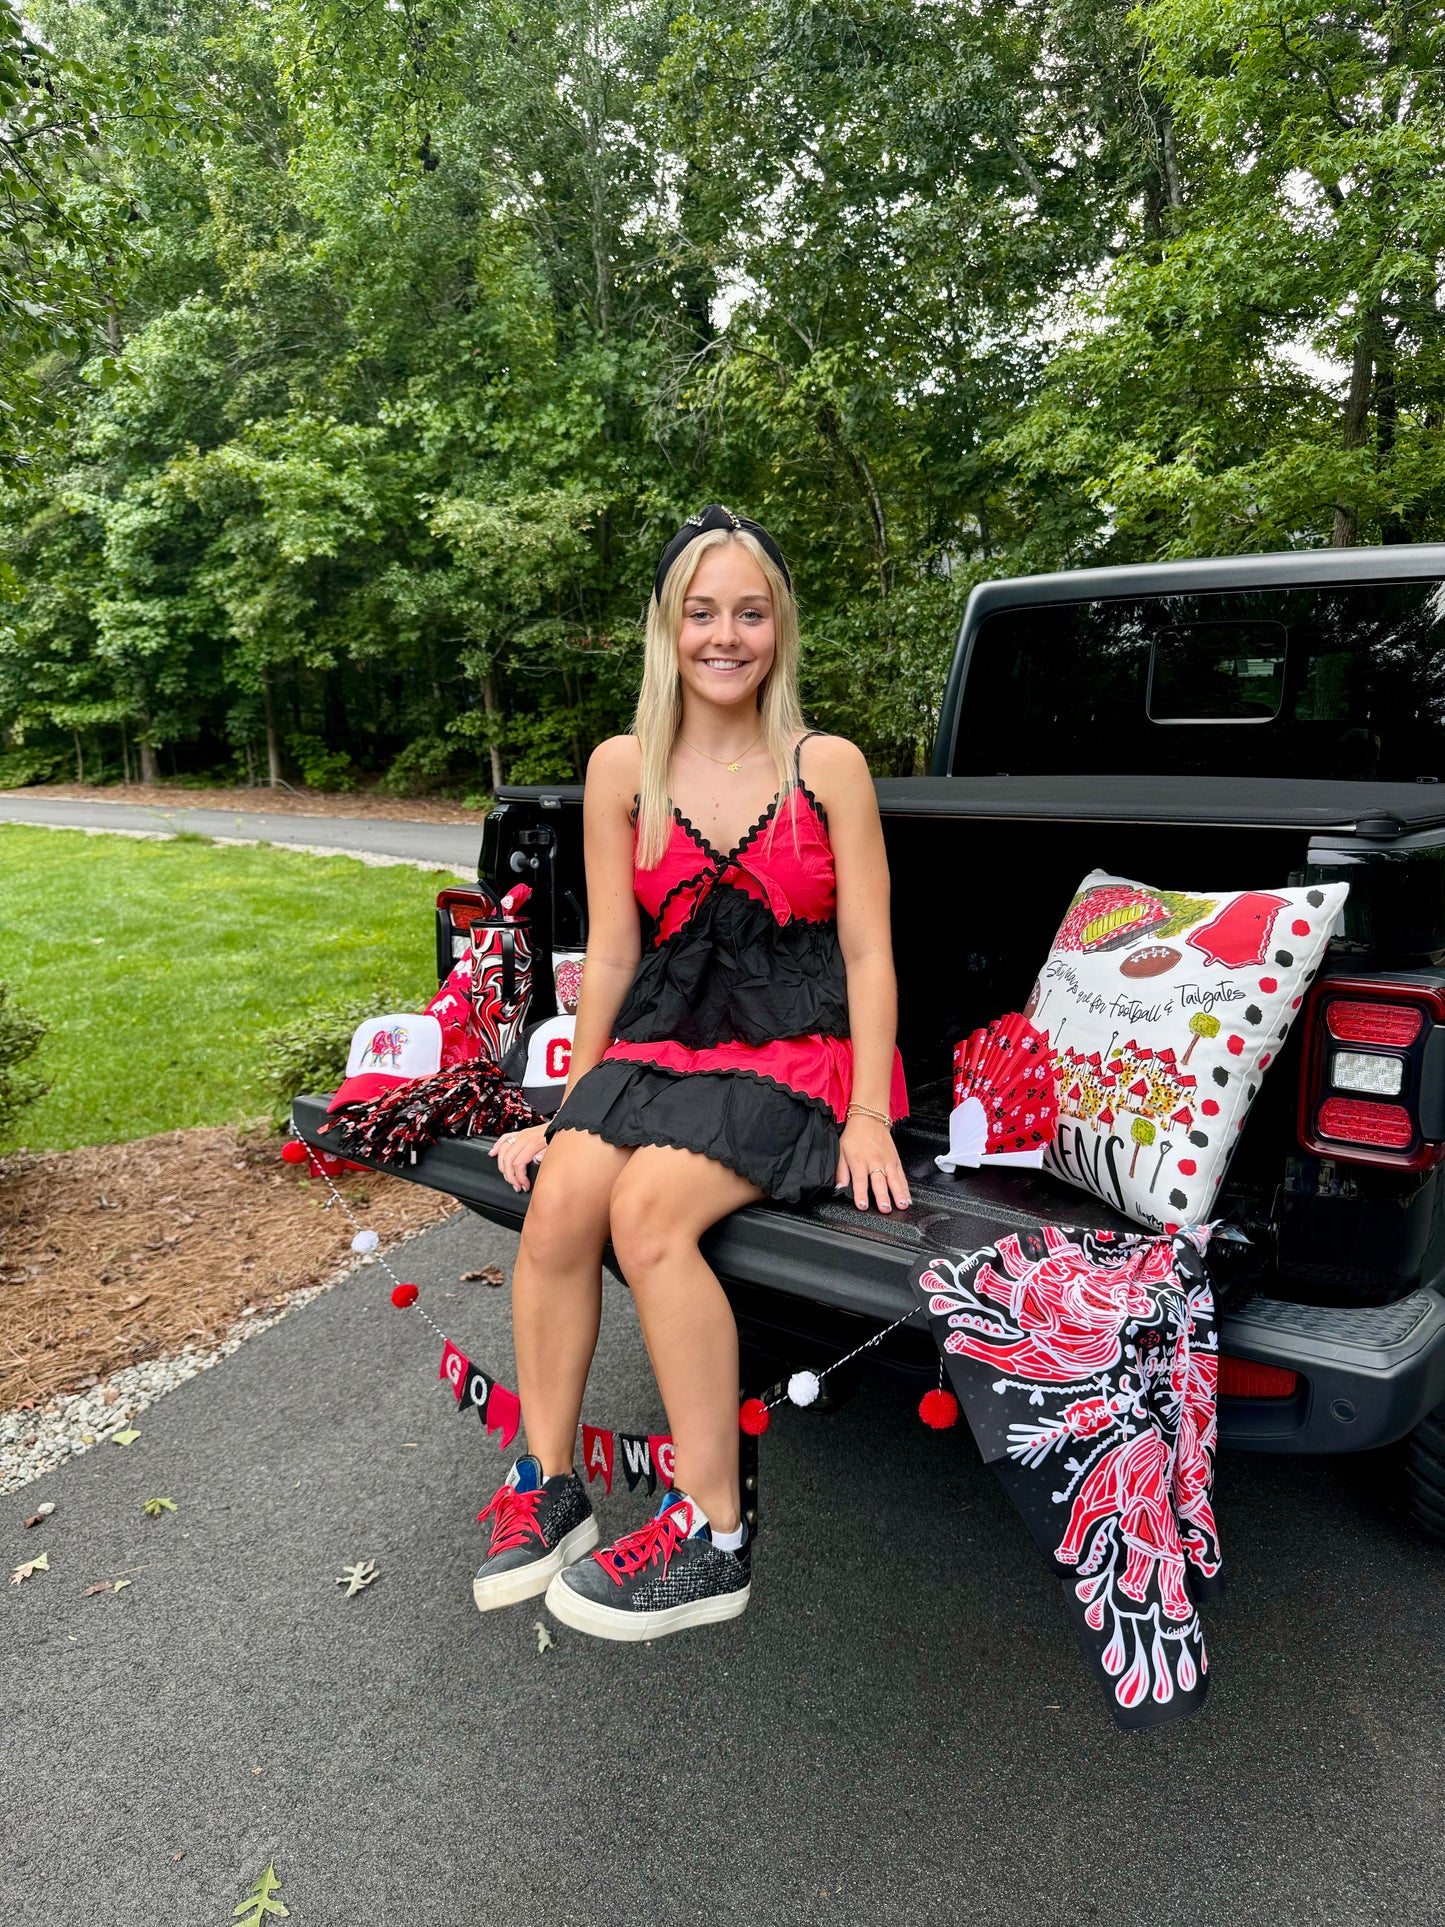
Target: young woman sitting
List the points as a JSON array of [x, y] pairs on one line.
[[734, 1041]]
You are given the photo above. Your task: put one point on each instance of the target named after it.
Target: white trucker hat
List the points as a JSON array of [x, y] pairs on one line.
[[387, 1052]]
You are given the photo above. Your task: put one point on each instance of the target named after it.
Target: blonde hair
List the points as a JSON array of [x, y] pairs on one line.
[[659, 701]]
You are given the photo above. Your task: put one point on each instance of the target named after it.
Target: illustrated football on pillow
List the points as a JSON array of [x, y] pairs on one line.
[[1165, 1009]]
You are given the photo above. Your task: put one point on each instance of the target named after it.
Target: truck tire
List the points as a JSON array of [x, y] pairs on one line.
[[1425, 1476]]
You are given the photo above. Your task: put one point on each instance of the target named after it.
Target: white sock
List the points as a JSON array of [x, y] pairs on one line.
[[730, 1541]]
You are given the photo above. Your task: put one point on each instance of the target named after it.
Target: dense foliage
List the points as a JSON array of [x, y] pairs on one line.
[[20, 1037], [432, 320]]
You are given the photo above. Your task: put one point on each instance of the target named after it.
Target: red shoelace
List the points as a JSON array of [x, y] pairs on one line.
[[658, 1539], [514, 1518]]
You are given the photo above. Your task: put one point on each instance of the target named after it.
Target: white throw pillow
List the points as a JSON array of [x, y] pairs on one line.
[[1165, 1009]]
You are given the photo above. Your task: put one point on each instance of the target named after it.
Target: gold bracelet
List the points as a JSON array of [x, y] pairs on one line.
[[882, 1116]]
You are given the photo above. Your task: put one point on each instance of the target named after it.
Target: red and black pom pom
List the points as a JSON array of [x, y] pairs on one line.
[[465, 1100]]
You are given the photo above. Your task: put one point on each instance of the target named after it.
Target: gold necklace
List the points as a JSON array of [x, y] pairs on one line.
[[722, 761]]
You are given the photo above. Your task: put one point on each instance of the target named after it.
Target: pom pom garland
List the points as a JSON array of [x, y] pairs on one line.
[[365, 1241], [753, 1418], [403, 1295], [938, 1409], [804, 1387], [293, 1151]]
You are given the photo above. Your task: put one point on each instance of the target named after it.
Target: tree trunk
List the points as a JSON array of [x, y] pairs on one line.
[[494, 721], [79, 757], [149, 769], [273, 745], [1356, 419], [1393, 528], [124, 756], [1171, 160]]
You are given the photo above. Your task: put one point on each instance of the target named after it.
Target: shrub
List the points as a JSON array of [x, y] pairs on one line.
[[21, 767], [20, 1036], [320, 767], [421, 768], [309, 1053]]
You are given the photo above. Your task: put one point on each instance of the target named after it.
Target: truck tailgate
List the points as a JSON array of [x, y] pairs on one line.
[[1368, 1374]]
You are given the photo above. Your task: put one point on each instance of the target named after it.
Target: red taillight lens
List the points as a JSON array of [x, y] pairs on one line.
[[463, 911], [1243, 1378], [1384, 1127], [1359, 1023]]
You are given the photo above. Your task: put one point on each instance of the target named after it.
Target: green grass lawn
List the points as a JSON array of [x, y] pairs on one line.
[[161, 967]]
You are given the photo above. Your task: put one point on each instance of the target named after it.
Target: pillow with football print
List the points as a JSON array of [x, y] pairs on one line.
[[1164, 1009]]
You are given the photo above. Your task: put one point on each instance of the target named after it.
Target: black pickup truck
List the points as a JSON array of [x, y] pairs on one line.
[[1223, 724]]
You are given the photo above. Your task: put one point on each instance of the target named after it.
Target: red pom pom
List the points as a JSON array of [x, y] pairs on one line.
[[754, 1417], [938, 1409], [293, 1151], [403, 1295]]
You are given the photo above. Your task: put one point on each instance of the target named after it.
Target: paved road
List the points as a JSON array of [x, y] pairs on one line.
[[898, 1731], [453, 844]]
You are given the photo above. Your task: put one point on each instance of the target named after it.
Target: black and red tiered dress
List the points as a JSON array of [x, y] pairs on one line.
[[733, 1040]]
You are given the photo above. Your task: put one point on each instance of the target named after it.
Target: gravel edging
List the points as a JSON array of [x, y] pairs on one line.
[[34, 1443]]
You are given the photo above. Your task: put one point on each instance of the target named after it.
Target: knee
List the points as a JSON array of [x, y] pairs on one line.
[[645, 1235], [555, 1232]]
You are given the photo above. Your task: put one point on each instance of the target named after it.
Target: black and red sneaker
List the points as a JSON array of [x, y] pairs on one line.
[[538, 1526], [661, 1579]]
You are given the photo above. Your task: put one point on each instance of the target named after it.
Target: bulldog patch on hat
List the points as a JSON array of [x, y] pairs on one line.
[[387, 1052]]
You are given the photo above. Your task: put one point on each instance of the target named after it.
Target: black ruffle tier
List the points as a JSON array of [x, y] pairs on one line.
[[734, 974], [784, 1143]]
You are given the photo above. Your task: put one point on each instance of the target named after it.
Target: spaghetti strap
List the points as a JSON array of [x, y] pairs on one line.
[[798, 756]]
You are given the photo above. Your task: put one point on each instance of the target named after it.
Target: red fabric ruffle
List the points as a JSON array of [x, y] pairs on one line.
[[817, 1067]]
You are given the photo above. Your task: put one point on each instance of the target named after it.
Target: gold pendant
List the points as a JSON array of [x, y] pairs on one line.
[[735, 767]]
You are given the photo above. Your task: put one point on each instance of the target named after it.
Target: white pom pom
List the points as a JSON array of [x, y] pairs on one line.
[[803, 1388], [365, 1241]]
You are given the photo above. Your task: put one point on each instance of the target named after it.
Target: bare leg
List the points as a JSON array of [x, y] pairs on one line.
[[557, 1289], [661, 1205]]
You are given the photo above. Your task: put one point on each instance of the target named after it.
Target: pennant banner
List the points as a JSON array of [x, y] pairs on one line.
[[454, 1367], [503, 1414], [636, 1461], [475, 1393], [645, 1459], [662, 1451], [597, 1451]]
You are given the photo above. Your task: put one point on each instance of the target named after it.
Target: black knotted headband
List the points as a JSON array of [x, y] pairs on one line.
[[715, 516]]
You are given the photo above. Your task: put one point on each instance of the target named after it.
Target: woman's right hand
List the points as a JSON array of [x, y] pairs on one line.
[[516, 1152]]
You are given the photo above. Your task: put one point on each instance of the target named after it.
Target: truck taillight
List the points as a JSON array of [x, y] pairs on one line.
[[1389, 1127], [1367, 1103], [457, 910], [1389, 1026], [1247, 1378]]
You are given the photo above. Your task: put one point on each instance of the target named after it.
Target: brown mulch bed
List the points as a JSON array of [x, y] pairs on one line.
[[122, 1252], [351, 803]]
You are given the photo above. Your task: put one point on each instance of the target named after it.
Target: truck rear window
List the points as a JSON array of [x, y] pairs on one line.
[[1347, 683]]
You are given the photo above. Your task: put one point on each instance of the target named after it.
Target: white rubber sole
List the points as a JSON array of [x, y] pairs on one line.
[[603, 1622], [525, 1582]]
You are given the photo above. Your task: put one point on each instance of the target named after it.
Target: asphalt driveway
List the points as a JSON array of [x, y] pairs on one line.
[[898, 1730], [453, 844]]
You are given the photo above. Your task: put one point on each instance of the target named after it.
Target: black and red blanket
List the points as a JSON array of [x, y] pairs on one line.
[[1086, 1362]]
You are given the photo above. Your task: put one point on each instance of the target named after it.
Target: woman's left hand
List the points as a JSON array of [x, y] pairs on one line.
[[867, 1157]]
